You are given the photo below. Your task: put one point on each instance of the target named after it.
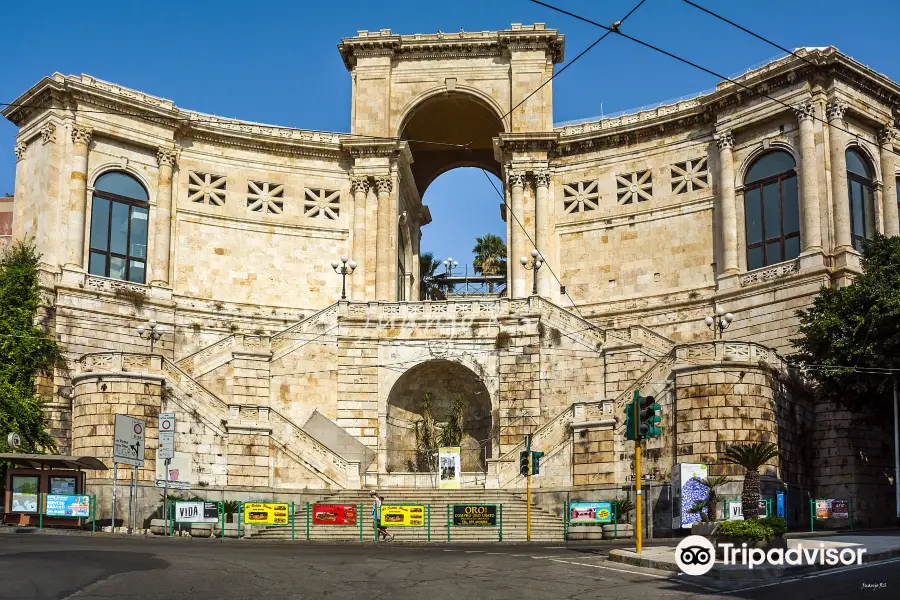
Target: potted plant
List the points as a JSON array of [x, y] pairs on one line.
[[751, 457], [707, 509], [765, 533], [622, 528]]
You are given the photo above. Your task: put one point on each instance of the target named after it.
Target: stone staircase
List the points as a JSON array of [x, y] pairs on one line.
[[545, 527]]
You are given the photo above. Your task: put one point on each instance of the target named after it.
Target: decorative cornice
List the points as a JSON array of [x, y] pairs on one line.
[[542, 178], [835, 110], [359, 184], [82, 134], [20, 149], [384, 184], [515, 178], [166, 157], [544, 141], [724, 140], [48, 133], [805, 111]]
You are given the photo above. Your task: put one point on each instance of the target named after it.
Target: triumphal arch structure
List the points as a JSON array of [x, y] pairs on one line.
[[750, 197]]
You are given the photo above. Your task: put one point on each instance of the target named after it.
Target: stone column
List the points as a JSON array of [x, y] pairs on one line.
[[360, 187], [18, 227], [810, 228], [384, 257], [159, 271], [75, 211], [542, 235], [889, 176], [727, 209], [516, 273], [840, 197]]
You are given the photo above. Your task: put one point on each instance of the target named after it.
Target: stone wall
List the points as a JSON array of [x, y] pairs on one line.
[[593, 459]]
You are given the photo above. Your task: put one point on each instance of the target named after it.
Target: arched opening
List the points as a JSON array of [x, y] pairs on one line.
[[459, 128], [771, 210], [420, 406], [861, 191], [119, 223]]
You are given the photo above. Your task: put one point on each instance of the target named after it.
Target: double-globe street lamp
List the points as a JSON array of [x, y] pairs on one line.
[[343, 268], [448, 265], [152, 331], [719, 322], [537, 261]]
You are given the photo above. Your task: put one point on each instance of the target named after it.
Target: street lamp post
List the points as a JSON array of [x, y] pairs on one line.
[[537, 261], [448, 265], [343, 268], [719, 322], [152, 331]]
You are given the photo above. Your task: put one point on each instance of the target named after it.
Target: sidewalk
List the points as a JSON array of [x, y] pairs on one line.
[[881, 545]]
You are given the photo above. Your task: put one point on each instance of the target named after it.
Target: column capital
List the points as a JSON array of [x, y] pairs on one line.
[[805, 111], [82, 134], [835, 110], [542, 178], [48, 133], [359, 183], [20, 149], [166, 156], [724, 140], [384, 184], [886, 136], [515, 178]]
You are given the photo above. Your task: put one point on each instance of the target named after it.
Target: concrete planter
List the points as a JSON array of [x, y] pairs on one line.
[[707, 530], [622, 530], [158, 527], [585, 532], [231, 530], [737, 541], [201, 530]]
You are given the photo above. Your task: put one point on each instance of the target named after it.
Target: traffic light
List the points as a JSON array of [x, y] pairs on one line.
[[523, 462], [536, 462], [630, 421], [649, 425]]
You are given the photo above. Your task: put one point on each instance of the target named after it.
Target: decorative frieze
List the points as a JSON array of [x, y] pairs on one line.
[[206, 188], [770, 273], [689, 176], [582, 196], [634, 187], [322, 204], [264, 197]]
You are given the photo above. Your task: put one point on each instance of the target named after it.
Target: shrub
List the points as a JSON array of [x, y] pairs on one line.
[[503, 340], [778, 524], [134, 297], [756, 529]]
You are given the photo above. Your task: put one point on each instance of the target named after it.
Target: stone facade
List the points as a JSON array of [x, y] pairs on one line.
[[641, 216]]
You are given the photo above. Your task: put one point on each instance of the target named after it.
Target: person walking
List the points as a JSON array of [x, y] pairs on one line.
[[381, 531]]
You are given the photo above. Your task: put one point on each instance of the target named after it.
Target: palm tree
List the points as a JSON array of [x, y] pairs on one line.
[[751, 457], [428, 288], [707, 508], [490, 256]]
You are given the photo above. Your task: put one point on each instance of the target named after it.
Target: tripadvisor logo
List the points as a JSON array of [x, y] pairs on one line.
[[696, 555]]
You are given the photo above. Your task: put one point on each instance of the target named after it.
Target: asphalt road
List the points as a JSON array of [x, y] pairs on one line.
[[55, 567]]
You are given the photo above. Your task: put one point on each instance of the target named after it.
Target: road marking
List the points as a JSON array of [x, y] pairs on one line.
[[497, 553], [474, 551], [451, 550], [653, 575], [554, 548], [518, 555], [834, 571]]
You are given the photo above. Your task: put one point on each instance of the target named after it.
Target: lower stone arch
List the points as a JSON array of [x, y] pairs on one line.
[[443, 380]]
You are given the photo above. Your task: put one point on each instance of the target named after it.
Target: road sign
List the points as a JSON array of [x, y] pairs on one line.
[[166, 435], [173, 485], [128, 441]]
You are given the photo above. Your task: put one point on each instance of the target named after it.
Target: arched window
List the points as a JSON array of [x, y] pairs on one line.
[[771, 212], [119, 216], [862, 197]]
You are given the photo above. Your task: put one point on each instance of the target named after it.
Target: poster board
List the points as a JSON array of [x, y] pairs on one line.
[[689, 491], [406, 515], [196, 512], [475, 515], [261, 513], [590, 512], [449, 465], [59, 505], [334, 514]]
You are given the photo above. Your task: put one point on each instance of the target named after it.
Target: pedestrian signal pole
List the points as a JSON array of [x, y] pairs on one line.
[[528, 489], [638, 527]]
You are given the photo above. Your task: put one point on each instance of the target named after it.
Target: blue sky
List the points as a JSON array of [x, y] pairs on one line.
[[276, 62]]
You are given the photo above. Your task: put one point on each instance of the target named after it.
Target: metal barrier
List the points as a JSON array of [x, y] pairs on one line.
[[826, 506], [42, 509]]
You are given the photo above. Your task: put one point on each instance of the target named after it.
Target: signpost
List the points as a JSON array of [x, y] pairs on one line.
[[128, 449], [166, 451]]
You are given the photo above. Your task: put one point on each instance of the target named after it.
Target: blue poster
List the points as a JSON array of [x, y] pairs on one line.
[[590, 512], [779, 504], [68, 506]]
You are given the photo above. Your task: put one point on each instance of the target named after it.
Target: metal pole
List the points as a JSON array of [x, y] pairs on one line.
[[896, 452], [638, 529], [166, 489], [131, 501], [528, 490], [448, 523], [115, 482], [501, 523]]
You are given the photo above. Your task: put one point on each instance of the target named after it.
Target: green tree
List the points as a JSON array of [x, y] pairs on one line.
[[855, 326], [429, 289], [490, 256], [707, 508], [751, 457], [26, 351]]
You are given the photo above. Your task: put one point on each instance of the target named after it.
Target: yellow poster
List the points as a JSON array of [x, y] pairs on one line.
[[403, 516], [256, 513]]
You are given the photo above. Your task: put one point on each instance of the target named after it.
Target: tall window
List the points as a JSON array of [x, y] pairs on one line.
[[771, 211], [119, 228], [862, 198]]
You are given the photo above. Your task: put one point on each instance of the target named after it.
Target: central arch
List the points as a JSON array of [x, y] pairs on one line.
[[442, 381], [440, 118]]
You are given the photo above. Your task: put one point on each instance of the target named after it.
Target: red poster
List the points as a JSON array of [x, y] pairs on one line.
[[334, 514]]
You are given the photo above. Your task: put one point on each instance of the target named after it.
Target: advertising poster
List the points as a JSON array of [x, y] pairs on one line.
[[450, 467], [68, 506], [403, 515], [736, 510], [780, 507], [823, 508], [196, 512], [840, 509], [64, 486], [691, 490], [590, 512], [24, 493], [475, 515], [258, 513], [179, 471], [334, 514]]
